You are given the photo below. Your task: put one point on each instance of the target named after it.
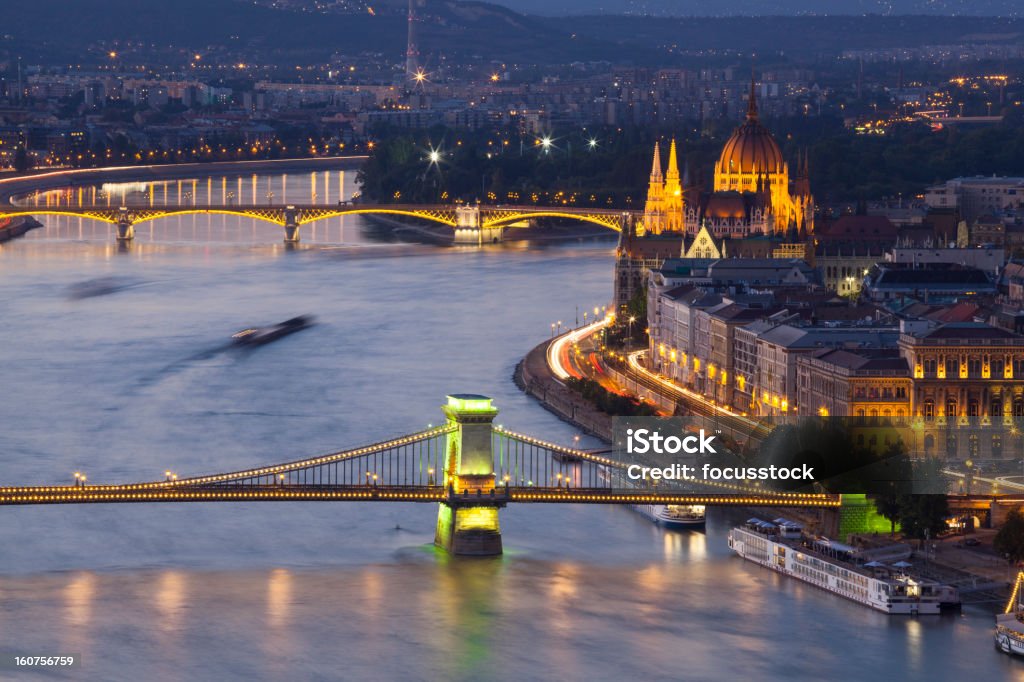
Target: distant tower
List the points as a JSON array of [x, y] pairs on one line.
[[412, 51], [654, 209], [673, 201]]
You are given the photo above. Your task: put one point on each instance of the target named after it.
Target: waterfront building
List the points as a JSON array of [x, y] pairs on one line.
[[977, 196], [965, 375], [989, 259], [934, 282], [775, 384], [752, 194], [752, 162], [872, 383]]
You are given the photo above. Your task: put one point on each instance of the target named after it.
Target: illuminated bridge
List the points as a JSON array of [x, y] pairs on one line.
[[469, 465], [471, 224]]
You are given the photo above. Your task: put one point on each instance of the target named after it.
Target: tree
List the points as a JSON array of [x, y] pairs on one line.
[[1009, 541], [923, 515], [22, 162], [636, 308], [889, 506]]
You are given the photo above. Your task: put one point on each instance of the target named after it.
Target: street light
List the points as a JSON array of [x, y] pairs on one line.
[[591, 144]]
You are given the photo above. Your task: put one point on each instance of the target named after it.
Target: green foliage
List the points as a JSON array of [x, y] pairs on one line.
[[841, 464], [608, 402], [888, 505], [1009, 541], [845, 167], [636, 308], [918, 514], [22, 161], [923, 515]]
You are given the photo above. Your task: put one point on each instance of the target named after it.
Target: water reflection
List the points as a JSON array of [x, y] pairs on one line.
[[171, 599], [120, 386]]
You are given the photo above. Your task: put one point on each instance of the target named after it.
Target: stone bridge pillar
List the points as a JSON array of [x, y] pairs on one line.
[[291, 225], [467, 521], [469, 227], [125, 229]]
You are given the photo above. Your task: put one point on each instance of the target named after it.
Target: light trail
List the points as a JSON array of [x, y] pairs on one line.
[[558, 350], [634, 363]]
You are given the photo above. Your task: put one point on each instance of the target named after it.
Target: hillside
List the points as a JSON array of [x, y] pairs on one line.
[[77, 31]]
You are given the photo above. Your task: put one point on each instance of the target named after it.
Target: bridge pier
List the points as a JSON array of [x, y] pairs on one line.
[[291, 225], [125, 229], [467, 521], [469, 227]]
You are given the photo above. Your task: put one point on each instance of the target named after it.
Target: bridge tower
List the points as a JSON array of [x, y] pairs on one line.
[[125, 229], [291, 225], [467, 521]]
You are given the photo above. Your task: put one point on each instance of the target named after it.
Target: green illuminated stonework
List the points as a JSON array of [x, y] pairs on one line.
[[858, 515], [467, 523]]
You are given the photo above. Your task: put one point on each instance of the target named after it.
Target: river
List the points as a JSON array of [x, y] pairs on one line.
[[115, 366]]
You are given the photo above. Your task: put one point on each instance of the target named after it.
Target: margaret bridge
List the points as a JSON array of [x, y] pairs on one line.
[[470, 224], [469, 465]]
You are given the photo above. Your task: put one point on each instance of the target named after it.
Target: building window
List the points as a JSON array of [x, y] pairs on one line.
[[951, 408], [929, 409], [995, 408], [972, 408], [951, 446], [997, 445]]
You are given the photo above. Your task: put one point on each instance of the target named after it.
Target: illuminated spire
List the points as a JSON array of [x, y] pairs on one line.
[[654, 209], [673, 206], [752, 101], [672, 173], [656, 166]]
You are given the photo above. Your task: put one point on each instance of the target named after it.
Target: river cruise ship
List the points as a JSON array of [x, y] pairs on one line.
[[677, 516], [1010, 623], [782, 546]]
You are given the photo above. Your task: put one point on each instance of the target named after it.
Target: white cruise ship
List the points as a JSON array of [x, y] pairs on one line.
[[1010, 623], [677, 516], [782, 546]]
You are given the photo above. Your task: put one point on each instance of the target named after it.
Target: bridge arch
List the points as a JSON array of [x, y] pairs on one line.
[[307, 216], [264, 216], [99, 217], [611, 222]]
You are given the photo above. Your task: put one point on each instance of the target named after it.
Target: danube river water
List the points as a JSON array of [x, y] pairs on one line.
[[114, 364]]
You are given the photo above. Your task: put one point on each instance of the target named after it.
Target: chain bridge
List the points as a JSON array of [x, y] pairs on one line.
[[469, 466]]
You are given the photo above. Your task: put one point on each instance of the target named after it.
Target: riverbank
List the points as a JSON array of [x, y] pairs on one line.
[[533, 376], [13, 185]]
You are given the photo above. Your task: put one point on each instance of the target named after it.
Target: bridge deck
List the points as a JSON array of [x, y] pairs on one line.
[[33, 495]]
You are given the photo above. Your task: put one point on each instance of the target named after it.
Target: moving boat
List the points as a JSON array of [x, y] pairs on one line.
[[1010, 623], [782, 546], [257, 336], [678, 516]]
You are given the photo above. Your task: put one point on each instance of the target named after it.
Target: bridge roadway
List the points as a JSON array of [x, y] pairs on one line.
[[480, 223], [499, 495]]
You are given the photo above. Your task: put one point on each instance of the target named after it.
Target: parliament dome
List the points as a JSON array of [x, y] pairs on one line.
[[751, 148]]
